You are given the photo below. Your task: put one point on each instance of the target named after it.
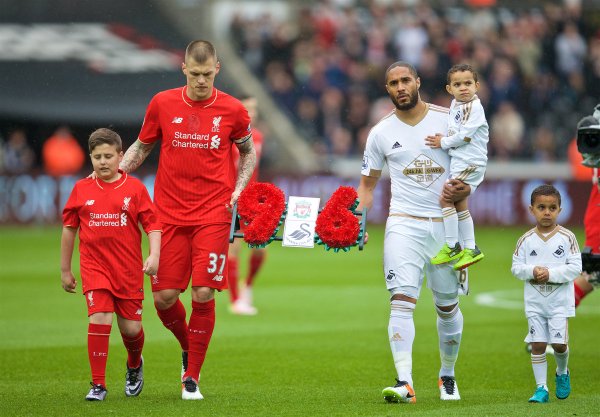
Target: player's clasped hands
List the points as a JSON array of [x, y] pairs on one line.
[[541, 274], [434, 141]]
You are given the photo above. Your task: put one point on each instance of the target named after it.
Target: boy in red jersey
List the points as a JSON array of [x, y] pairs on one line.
[[196, 185], [107, 210], [241, 303]]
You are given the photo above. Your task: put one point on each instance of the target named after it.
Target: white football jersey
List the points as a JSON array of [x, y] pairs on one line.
[[417, 172], [557, 251], [468, 132]]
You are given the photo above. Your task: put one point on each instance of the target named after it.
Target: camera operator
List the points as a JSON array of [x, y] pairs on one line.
[[588, 145]]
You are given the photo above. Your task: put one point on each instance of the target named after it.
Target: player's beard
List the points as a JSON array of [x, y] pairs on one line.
[[414, 99]]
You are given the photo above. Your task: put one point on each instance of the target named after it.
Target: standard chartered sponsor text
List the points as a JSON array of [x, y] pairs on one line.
[[192, 136], [189, 140], [195, 145], [104, 219]]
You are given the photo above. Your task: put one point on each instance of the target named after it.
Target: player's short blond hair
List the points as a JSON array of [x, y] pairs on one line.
[[200, 51]]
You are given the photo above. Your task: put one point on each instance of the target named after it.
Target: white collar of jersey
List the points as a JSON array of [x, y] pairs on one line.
[[189, 104]]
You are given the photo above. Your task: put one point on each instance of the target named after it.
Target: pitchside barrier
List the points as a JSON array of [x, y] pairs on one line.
[[39, 199]]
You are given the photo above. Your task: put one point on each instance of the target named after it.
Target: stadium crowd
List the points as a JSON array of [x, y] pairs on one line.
[[539, 67]]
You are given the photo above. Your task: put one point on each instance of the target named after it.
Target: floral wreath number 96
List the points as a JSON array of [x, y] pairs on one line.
[[337, 226], [261, 207]]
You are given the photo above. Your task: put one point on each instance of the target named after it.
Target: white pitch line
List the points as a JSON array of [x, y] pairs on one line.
[[513, 300]]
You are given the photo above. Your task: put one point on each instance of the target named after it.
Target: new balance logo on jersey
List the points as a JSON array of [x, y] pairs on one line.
[[533, 253], [177, 120], [139, 312], [215, 141], [396, 145], [90, 202], [218, 278]]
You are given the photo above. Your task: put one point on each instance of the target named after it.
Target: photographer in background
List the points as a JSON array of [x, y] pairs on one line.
[[588, 145]]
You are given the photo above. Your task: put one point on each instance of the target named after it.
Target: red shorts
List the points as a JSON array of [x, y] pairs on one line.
[[102, 301], [196, 251]]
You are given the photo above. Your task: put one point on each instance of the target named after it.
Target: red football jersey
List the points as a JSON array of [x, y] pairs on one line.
[[257, 138], [110, 243], [196, 175]]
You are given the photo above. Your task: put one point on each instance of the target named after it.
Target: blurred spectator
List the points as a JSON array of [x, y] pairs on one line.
[[18, 155], [570, 50], [543, 145], [507, 129], [341, 142], [62, 154]]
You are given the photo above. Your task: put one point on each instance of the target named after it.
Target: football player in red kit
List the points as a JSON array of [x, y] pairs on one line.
[[196, 186], [107, 210]]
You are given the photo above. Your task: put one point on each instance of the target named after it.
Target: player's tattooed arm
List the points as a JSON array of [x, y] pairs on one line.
[[135, 155], [245, 168]]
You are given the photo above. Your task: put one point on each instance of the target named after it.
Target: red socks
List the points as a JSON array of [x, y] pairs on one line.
[[256, 260], [134, 347], [173, 319], [232, 278], [98, 335], [202, 323]]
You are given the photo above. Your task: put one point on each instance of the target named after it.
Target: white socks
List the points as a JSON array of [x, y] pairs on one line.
[[466, 229], [450, 225], [540, 369], [449, 326], [401, 331], [562, 362]]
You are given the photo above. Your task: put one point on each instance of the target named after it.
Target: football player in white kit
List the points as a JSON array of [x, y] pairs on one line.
[[414, 230], [547, 258], [466, 143]]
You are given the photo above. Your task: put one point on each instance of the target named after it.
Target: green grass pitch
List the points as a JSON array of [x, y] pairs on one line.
[[318, 346]]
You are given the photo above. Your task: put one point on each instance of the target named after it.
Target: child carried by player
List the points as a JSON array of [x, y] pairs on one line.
[[466, 142]]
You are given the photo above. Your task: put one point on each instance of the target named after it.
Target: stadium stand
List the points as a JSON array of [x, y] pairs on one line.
[[539, 65]]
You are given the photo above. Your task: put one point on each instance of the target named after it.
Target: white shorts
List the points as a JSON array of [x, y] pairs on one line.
[[467, 173], [408, 248], [554, 330]]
